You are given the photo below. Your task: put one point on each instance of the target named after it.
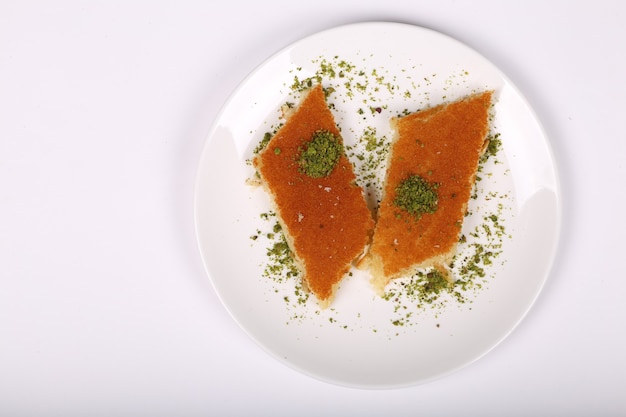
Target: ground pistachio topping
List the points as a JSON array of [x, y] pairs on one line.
[[320, 155], [417, 196], [267, 136], [493, 146]]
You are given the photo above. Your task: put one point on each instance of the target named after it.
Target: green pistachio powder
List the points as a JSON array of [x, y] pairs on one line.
[[426, 289], [320, 155], [416, 196]]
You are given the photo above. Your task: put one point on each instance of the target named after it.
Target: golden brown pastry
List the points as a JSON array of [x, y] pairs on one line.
[[312, 185], [431, 171]]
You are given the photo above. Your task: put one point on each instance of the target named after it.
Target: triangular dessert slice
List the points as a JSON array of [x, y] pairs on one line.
[[431, 171], [322, 210]]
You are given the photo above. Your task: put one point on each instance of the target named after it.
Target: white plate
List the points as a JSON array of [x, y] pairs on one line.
[[364, 340]]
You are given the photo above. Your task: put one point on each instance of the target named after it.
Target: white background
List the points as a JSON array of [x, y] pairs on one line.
[[105, 307]]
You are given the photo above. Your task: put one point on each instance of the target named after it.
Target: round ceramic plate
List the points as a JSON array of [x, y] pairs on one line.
[[373, 72]]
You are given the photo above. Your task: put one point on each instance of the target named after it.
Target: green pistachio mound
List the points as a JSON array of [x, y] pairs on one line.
[[320, 155], [417, 196]]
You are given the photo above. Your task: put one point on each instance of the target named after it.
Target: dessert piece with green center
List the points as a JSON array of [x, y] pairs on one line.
[[321, 209], [430, 175]]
